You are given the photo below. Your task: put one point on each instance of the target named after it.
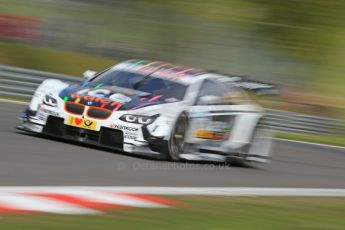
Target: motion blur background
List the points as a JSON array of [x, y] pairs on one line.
[[297, 44]]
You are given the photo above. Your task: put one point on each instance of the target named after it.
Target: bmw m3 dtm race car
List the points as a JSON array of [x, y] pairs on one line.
[[156, 109]]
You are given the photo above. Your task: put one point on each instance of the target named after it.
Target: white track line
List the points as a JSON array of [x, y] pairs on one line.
[[310, 143], [212, 191]]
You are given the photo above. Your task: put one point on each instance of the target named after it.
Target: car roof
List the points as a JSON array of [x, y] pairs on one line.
[[169, 71]]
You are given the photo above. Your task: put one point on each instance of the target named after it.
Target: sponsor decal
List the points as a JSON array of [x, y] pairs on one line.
[[43, 113], [212, 134], [97, 96], [82, 123], [41, 117], [128, 132], [124, 128], [91, 99], [133, 137], [88, 123]]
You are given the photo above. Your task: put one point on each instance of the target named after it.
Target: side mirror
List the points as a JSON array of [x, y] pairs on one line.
[[88, 74], [209, 100]]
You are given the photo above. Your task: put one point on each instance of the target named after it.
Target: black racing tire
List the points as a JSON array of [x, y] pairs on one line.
[[176, 144], [239, 160]]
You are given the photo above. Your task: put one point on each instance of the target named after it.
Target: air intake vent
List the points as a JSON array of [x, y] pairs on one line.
[[98, 113], [74, 108]]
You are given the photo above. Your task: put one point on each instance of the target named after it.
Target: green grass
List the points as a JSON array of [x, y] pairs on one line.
[[202, 213], [46, 59], [322, 139]]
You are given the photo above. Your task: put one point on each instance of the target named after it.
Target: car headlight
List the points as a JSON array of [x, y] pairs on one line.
[[49, 100], [138, 119]]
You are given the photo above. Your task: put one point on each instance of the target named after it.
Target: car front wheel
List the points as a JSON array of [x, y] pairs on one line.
[[176, 143]]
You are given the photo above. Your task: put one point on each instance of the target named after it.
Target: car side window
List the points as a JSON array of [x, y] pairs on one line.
[[210, 90]]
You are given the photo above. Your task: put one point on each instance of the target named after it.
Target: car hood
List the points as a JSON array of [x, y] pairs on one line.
[[111, 97]]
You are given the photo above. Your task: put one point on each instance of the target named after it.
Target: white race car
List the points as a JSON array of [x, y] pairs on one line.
[[156, 109]]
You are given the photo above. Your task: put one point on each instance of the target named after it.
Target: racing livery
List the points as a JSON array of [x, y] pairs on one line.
[[153, 108]]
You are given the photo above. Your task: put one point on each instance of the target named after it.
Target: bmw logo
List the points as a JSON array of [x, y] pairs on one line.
[[89, 102]]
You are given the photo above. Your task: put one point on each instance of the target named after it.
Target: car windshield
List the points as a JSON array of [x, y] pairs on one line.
[[143, 83]]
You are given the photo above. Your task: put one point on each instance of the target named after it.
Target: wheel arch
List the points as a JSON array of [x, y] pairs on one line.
[[244, 127]]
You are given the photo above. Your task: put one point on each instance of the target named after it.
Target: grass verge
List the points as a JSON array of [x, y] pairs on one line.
[[202, 213], [51, 60]]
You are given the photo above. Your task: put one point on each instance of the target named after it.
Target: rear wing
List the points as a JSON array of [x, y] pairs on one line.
[[258, 87]]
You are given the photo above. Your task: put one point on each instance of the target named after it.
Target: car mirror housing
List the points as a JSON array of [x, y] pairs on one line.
[[89, 74]]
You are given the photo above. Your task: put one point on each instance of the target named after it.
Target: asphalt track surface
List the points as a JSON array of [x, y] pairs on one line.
[[27, 160]]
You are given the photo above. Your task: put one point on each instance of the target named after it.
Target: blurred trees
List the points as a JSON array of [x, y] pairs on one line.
[[296, 42]]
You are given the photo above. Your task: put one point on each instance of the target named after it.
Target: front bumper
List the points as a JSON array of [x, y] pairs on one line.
[[107, 137]]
